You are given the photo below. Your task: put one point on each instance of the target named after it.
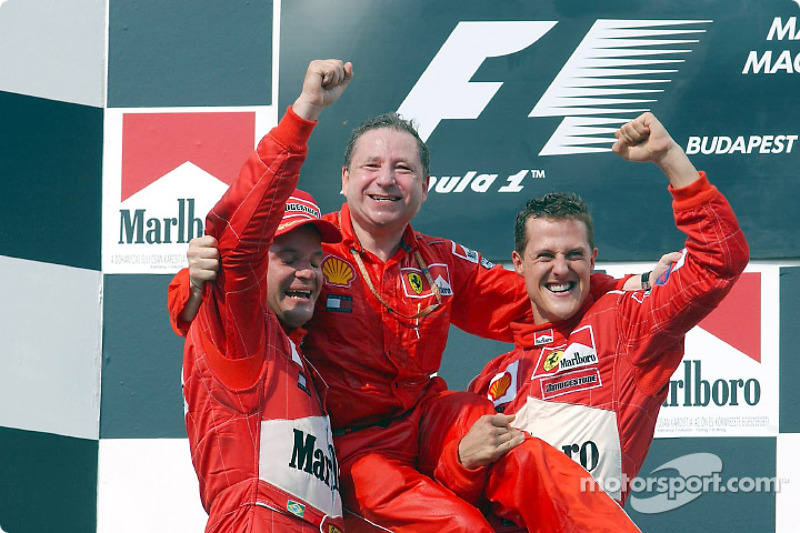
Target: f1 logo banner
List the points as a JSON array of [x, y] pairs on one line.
[[602, 71], [518, 99]]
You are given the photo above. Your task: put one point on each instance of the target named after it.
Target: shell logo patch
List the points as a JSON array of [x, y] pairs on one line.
[[503, 387], [499, 387], [415, 280], [337, 271], [552, 360]]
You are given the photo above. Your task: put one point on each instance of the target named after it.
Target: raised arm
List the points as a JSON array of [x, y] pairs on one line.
[[714, 256], [244, 221], [323, 84]]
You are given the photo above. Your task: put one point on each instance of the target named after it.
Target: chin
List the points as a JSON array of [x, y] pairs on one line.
[[297, 318], [559, 313]]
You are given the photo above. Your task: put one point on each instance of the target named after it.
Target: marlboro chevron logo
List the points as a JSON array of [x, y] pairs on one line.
[[155, 144], [727, 383], [737, 319], [578, 353], [163, 173]]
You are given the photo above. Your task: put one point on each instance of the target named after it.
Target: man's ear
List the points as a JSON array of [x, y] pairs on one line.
[[516, 260], [426, 183], [345, 180], [594, 258]]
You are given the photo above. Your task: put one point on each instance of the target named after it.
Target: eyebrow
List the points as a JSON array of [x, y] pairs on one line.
[[551, 251], [397, 160]]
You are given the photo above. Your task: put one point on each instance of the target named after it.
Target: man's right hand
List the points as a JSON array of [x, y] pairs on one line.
[[489, 438], [324, 83]]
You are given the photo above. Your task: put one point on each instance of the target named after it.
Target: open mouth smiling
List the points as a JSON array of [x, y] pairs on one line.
[[303, 295], [559, 288], [378, 198]]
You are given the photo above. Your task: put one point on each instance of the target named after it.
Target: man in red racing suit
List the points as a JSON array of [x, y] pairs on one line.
[[591, 384], [260, 439]]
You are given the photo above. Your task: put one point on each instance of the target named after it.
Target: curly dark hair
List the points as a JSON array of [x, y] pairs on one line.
[[391, 121], [554, 206]]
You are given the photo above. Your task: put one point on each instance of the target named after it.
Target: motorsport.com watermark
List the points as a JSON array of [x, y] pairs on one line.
[[697, 474]]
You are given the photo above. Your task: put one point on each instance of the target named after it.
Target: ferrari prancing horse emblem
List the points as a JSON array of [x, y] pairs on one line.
[[416, 282]]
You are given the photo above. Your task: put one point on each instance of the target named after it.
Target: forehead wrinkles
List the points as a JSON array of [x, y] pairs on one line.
[[377, 144]]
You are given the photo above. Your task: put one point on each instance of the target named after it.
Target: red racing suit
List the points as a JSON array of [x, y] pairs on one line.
[[593, 385], [260, 439]]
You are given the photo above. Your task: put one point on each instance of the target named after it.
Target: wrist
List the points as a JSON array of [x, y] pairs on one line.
[[195, 286], [677, 167], [459, 456], [646, 284], [306, 109]]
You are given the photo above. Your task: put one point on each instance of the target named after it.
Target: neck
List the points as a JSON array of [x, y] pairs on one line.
[[538, 319], [382, 244]]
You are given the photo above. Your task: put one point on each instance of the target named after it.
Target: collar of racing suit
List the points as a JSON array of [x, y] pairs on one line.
[[525, 330], [408, 242]]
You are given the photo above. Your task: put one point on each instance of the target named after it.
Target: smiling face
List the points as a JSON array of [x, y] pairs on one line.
[[556, 264], [385, 183], [294, 278]]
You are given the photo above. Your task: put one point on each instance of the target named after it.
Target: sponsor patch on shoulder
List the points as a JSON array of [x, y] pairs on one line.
[[584, 379], [465, 253], [485, 263], [339, 303]]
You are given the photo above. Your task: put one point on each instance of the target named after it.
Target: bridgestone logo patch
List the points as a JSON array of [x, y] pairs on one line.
[[573, 381]]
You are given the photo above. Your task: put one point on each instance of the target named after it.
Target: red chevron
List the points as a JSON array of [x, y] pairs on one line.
[[153, 144], [737, 320]]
